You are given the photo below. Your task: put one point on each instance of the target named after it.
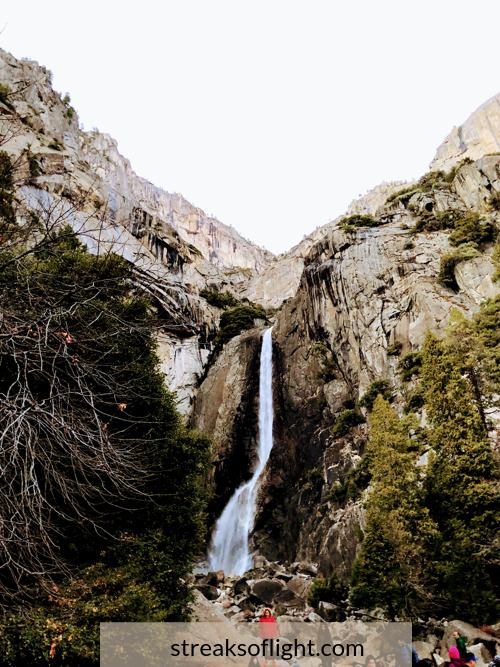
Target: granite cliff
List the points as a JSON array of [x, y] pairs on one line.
[[340, 299]]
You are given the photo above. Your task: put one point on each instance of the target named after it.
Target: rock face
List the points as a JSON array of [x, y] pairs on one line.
[[478, 136], [358, 293], [226, 406], [176, 248]]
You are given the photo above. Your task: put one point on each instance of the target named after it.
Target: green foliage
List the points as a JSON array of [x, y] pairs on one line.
[[5, 93], [394, 350], [349, 404], [415, 400], [234, 321], [462, 501], [430, 221], [433, 180], [331, 590], [471, 230], [494, 201], [450, 260], [356, 221], [8, 223], [375, 388], [347, 420], [390, 568], [356, 479], [329, 367], [316, 482], [56, 145], [133, 566], [219, 299], [409, 365]]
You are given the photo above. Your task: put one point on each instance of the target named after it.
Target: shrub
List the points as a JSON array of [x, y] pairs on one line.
[[376, 387], [194, 249], [410, 365], [358, 220], [409, 245], [328, 371], [446, 275], [494, 201], [415, 400], [5, 93], [348, 404], [219, 299], [429, 221], [236, 320], [316, 482], [347, 420], [331, 590], [433, 180], [472, 230], [56, 145], [394, 350]]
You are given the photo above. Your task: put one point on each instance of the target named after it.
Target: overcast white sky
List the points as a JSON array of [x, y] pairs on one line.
[[272, 115]]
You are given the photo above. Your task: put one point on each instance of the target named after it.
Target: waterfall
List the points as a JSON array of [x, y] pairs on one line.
[[229, 550]]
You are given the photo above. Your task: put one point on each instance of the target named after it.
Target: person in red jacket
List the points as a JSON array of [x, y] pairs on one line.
[[268, 629]]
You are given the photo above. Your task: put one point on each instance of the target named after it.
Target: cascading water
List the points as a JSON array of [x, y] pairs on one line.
[[230, 550]]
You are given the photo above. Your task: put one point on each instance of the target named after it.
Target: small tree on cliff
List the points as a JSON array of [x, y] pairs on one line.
[[391, 569], [458, 489]]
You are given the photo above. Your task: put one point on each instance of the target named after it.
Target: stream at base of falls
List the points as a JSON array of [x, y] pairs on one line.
[[230, 549]]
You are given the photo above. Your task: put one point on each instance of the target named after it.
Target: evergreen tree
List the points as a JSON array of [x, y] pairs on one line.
[[391, 569], [458, 491]]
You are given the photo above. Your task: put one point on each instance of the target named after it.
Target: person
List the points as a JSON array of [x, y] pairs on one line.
[[296, 663], [455, 659], [414, 657], [403, 654], [268, 629], [254, 662], [470, 659], [460, 642], [370, 661], [495, 662]]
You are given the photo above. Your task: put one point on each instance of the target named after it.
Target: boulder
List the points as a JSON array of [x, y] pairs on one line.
[[209, 579], [313, 617], [241, 586], [331, 612], [276, 567], [259, 562], [438, 660], [220, 576], [482, 654], [284, 576], [472, 636], [232, 611], [245, 604], [226, 603], [300, 586], [289, 600], [424, 650], [239, 617], [265, 590], [307, 568], [210, 592]]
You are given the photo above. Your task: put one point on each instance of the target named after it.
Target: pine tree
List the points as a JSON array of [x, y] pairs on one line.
[[458, 491], [391, 568]]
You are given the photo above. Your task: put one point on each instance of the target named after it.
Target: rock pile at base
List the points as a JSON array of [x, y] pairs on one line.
[[284, 589]]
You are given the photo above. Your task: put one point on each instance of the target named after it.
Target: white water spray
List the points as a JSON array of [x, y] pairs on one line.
[[229, 550]]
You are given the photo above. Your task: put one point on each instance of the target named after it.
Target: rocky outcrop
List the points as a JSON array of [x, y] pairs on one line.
[[478, 136], [226, 406], [82, 180]]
